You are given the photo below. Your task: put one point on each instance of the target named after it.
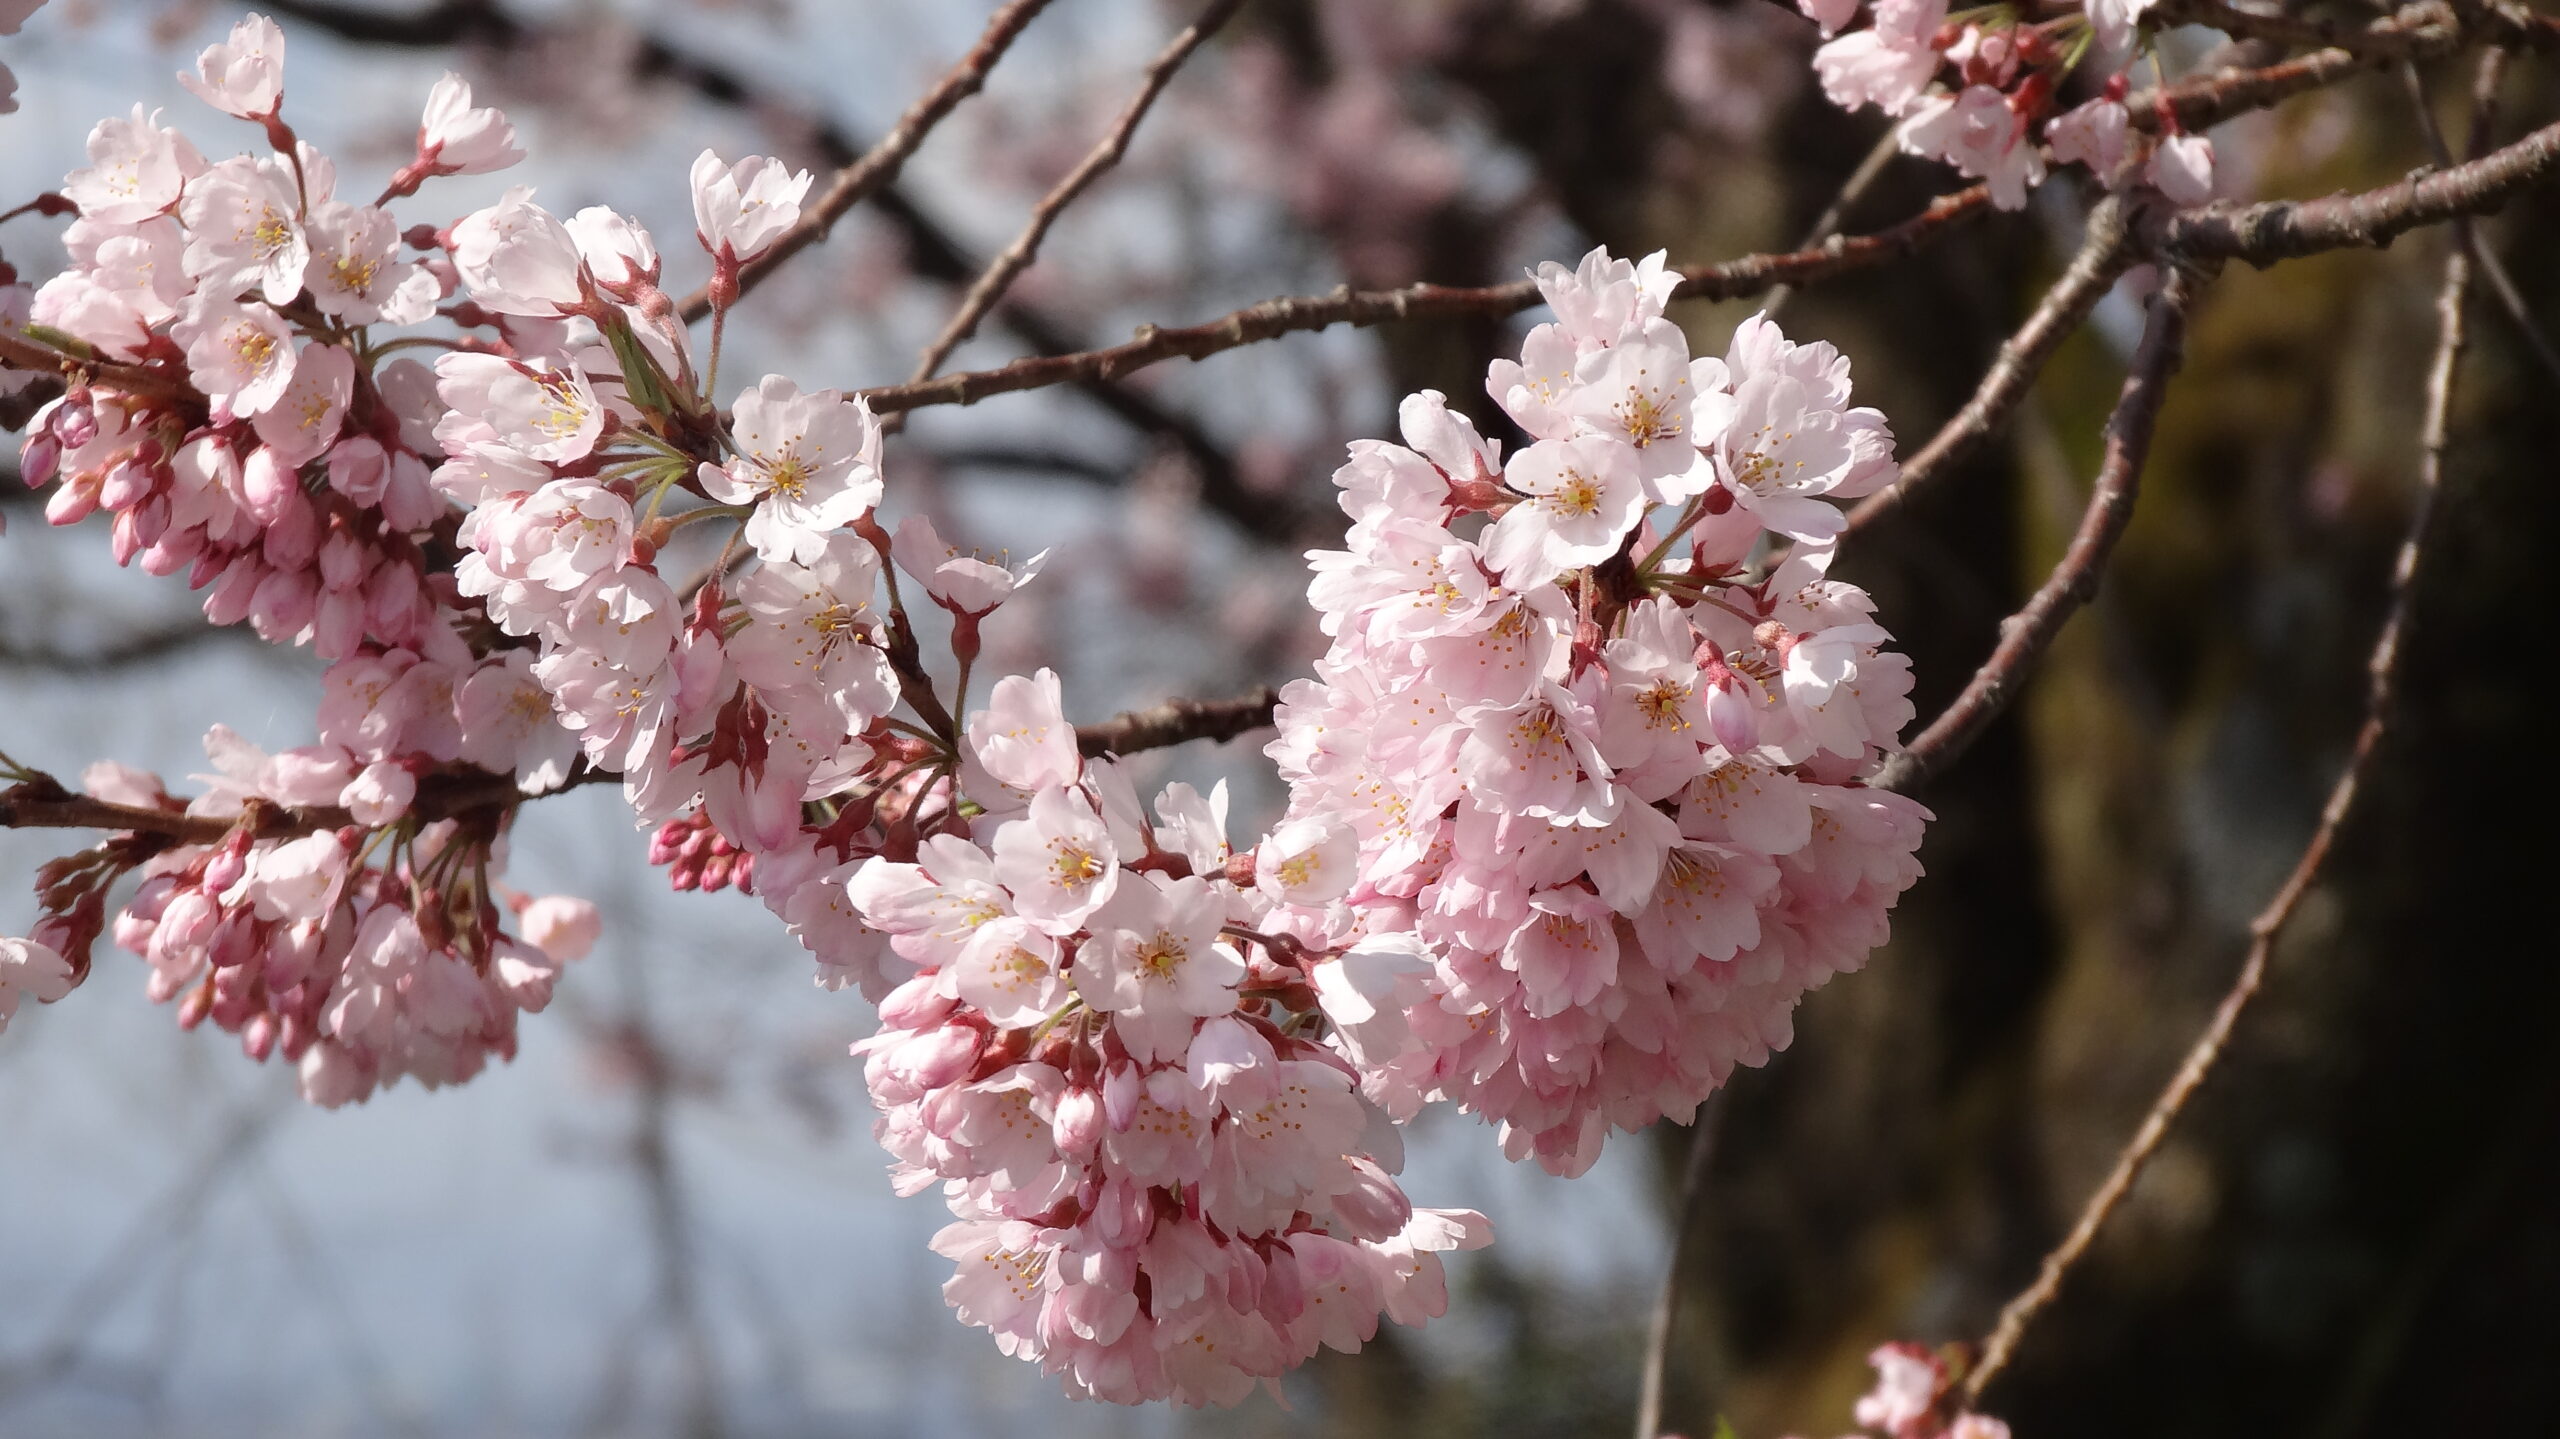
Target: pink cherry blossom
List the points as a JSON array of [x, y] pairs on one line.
[[355, 272], [740, 210], [29, 970], [242, 75], [244, 230], [516, 259], [304, 419], [809, 463], [241, 356], [136, 170], [961, 583], [2182, 169], [456, 139], [562, 926], [1584, 498]]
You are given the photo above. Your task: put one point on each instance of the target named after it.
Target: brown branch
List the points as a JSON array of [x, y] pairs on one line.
[[881, 163], [1017, 257], [2288, 229], [2484, 256], [43, 803], [20, 353], [2104, 256], [2382, 670], [1178, 721], [1836, 214], [1666, 1301], [2026, 635], [1733, 279], [2386, 39]]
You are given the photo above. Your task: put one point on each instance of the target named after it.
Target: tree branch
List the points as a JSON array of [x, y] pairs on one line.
[[1733, 279], [2288, 229], [2104, 257], [1178, 721], [2484, 256], [43, 803], [2026, 635], [880, 165], [19, 353], [1017, 257], [2382, 669], [1836, 214]]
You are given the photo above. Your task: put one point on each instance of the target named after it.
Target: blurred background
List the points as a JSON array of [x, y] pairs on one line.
[[667, 1217]]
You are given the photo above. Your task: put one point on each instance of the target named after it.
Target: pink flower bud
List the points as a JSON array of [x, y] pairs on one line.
[[1077, 1122], [265, 483], [258, 1037], [914, 1005]]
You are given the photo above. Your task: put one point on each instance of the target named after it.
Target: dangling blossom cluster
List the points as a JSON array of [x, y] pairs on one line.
[[1166, 1181], [1580, 777], [2003, 74], [256, 439], [1577, 809]]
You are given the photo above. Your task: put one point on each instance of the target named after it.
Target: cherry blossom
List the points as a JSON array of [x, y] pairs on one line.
[[29, 970], [740, 210], [137, 169], [456, 139], [243, 74], [808, 463]]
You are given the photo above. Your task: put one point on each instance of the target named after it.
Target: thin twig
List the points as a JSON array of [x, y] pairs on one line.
[[1017, 257], [2484, 256], [1836, 214], [1732, 279], [928, 248], [1666, 1302], [2104, 256], [881, 163], [2026, 635], [2382, 671]]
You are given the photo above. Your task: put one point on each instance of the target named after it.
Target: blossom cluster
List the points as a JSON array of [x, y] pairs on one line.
[[360, 963], [1578, 801], [2004, 71], [1166, 1184], [1580, 753], [256, 435]]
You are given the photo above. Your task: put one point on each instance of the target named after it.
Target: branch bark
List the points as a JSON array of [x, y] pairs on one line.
[[1296, 314], [2288, 229], [44, 803], [1178, 721], [2382, 670], [2104, 256], [2026, 635]]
